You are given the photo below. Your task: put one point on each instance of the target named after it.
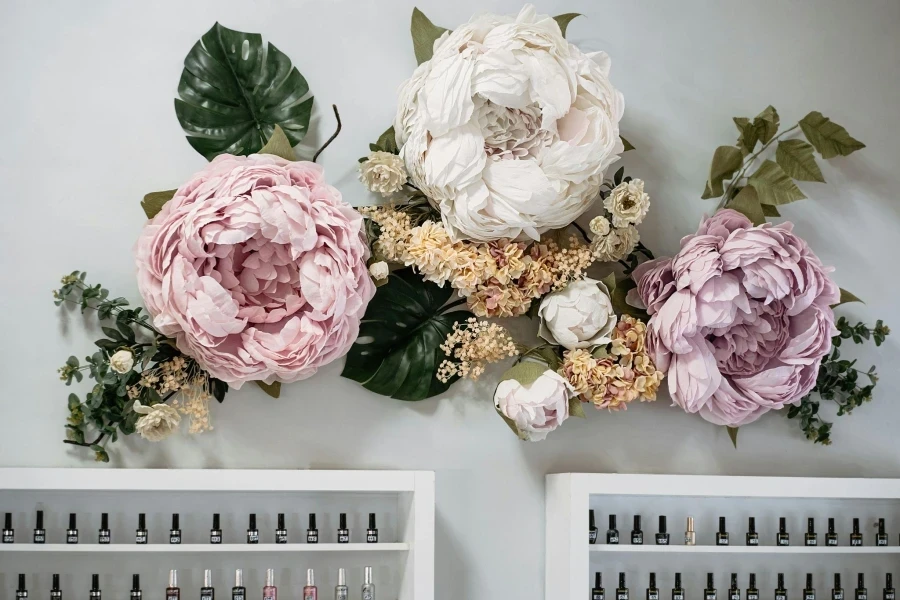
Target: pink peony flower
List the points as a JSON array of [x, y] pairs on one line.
[[741, 318], [257, 268]]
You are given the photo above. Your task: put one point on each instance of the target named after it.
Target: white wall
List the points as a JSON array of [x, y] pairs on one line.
[[88, 127]]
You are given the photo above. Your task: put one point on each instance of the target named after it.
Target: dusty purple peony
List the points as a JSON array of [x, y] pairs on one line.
[[740, 318], [257, 268]]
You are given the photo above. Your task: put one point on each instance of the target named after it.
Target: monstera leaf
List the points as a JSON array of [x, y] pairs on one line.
[[398, 350], [234, 90]]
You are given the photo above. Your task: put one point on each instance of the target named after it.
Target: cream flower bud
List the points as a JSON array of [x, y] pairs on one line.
[[536, 408], [383, 173], [158, 423], [122, 361], [580, 315], [379, 270], [599, 225]]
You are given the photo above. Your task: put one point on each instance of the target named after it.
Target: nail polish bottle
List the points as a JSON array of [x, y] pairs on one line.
[[173, 592], [809, 592], [810, 539], [252, 531], [677, 591], [881, 538], [621, 591], [312, 534], [140, 535], [690, 538], [752, 536], [861, 593], [238, 592], [270, 592], [136, 593], [207, 592], [281, 531], [368, 587], [722, 535], [831, 538], [341, 591], [710, 592], [889, 593], [104, 536], [612, 534], [95, 587], [780, 592], [343, 534], [21, 592], [662, 537], [837, 592], [734, 592], [598, 593], [40, 534], [175, 532], [72, 531], [215, 534], [372, 531], [9, 535], [856, 538], [652, 590], [310, 591], [55, 592], [637, 536], [752, 590], [783, 538], [592, 528]]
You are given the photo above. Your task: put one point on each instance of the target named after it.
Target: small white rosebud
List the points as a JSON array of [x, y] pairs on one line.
[[379, 270], [122, 361]]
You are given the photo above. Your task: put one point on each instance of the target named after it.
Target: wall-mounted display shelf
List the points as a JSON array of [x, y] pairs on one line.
[[865, 533], [400, 553]]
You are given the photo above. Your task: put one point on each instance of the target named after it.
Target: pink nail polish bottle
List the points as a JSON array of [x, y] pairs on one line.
[[269, 591], [310, 592]]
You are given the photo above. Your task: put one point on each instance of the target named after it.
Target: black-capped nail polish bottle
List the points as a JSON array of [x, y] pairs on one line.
[[173, 592], [881, 538], [783, 538], [752, 590], [72, 531], [677, 591], [343, 534], [612, 534], [40, 534], [55, 592], [722, 535], [662, 537], [207, 592], [175, 532], [809, 592], [810, 539], [837, 592], [780, 591], [238, 592], [637, 536], [140, 535], [734, 592], [281, 536], [136, 593], [215, 534], [861, 593], [9, 534], [889, 593], [831, 538], [95, 593], [592, 528], [856, 538], [622, 590], [104, 536], [21, 592], [652, 590], [597, 592], [312, 533], [752, 536], [372, 531], [710, 592], [252, 531]]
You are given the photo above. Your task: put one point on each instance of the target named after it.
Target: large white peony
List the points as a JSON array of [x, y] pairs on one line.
[[509, 128]]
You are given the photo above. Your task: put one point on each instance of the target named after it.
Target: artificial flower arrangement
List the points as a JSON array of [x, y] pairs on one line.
[[254, 270], [501, 140]]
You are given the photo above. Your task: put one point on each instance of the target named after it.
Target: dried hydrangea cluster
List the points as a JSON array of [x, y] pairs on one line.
[[615, 231], [188, 385], [614, 375], [498, 279], [472, 345]]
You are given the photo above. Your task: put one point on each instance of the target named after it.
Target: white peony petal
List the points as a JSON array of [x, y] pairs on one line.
[[447, 93], [502, 79], [520, 184], [456, 158]]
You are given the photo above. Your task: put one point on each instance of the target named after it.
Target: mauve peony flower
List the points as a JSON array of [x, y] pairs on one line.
[[257, 268], [741, 318]]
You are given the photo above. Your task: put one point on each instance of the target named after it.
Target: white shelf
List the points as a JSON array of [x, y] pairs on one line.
[[613, 548], [202, 548]]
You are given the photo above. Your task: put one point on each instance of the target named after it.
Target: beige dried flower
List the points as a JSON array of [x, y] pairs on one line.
[[628, 203], [383, 173], [472, 345]]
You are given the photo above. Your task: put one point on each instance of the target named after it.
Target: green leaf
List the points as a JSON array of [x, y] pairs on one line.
[[797, 160], [829, 138], [766, 124], [770, 211], [509, 423], [847, 297], [234, 90], [388, 141], [623, 286], [564, 20], [748, 137], [279, 145], [628, 145], [610, 282], [773, 185], [732, 433], [725, 163], [526, 372], [272, 389], [398, 350], [575, 408], [424, 34], [747, 203], [154, 201]]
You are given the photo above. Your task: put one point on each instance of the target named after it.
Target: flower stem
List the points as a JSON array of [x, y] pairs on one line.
[[337, 116], [583, 232], [747, 164]]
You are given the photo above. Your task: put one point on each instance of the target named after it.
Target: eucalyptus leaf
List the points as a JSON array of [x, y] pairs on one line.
[[725, 163], [272, 389], [279, 145], [575, 408], [234, 90], [773, 185], [766, 124], [797, 160], [828, 138], [564, 20], [154, 201], [732, 433], [424, 33], [398, 352], [747, 203], [628, 145]]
